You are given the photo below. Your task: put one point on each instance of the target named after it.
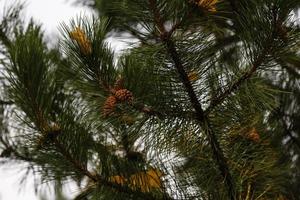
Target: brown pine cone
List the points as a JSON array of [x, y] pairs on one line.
[[124, 95], [109, 105]]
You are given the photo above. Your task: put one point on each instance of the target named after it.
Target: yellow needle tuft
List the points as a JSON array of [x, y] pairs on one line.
[[84, 43], [143, 181], [117, 179], [209, 5]]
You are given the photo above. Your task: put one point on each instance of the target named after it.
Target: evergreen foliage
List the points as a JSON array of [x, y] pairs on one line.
[[204, 106]]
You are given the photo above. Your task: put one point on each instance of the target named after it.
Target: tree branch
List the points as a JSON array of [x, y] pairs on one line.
[[96, 177], [260, 59], [165, 37], [236, 85], [203, 120], [75, 163], [256, 64]]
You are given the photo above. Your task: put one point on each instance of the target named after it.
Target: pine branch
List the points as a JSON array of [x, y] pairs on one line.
[[75, 163], [165, 37], [204, 122], [256, 64], [237, 84], [97, 178]]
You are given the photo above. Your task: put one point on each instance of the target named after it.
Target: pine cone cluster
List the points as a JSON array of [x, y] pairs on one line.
[[84, 43], [209, 5], [118, 95]]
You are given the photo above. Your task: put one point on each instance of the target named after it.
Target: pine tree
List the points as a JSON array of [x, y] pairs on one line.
[[193, 110]]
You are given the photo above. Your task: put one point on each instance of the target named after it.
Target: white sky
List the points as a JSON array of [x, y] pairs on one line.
[[50, 13]]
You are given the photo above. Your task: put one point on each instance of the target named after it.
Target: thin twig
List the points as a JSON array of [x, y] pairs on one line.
[[75, 163]]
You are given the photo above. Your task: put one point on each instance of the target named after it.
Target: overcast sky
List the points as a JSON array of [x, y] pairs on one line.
[[50, 13]]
